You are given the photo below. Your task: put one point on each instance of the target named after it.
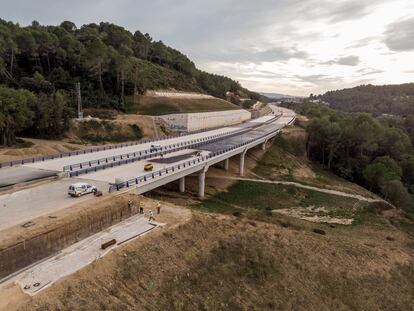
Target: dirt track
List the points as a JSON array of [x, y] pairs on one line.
[[296, 184]]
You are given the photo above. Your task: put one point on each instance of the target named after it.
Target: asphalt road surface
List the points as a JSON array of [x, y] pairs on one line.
[[24, 205], [15, 175]]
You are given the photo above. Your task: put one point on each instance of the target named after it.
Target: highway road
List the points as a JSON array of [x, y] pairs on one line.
[[20, 174], [128, 171], [42, 169], [58, 164], [26, 204]]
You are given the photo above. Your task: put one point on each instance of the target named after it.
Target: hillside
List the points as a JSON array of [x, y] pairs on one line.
[[376, 99], [149, 105], [39, 66], [277, 95]]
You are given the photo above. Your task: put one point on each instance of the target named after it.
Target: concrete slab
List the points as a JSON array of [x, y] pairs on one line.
[[81, 254], [58, 164], [15, 175], [135, 169], [25, 205]]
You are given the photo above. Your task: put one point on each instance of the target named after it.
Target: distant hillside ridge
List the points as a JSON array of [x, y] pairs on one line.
[[395, 99], [277, 95], [40, 65], [108, 60]]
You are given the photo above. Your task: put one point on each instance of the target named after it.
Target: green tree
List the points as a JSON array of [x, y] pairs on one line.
[[383, 169], [15, 113], [96, 58], [395, 192]]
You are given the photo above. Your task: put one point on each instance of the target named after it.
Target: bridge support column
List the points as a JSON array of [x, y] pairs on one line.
[[226, 164], [264, 146], [182, 184], [241, 166], [201, 183]]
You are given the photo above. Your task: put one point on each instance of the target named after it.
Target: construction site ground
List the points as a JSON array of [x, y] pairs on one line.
[[170, 217], [233, 260], [243, 265]]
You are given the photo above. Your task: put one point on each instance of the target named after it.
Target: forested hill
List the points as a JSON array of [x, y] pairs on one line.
[[381, 99], [39, 66]]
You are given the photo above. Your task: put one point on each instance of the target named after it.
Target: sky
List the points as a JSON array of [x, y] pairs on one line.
[[294, 47]]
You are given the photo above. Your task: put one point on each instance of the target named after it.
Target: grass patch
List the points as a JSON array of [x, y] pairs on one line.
[[148, 105], [259, 199]]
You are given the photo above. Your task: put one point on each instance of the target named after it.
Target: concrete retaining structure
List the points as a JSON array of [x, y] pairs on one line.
[[176, 94], [14, 257], [192, 122]]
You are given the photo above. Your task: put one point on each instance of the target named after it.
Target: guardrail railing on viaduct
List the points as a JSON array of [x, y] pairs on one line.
[[189, 163]]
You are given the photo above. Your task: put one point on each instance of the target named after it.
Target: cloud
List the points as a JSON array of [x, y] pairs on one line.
[[315, 79], [351, 60], [338, 11], [362, 42], [296, 46], [368, 71], [399, 36], [258, 56]]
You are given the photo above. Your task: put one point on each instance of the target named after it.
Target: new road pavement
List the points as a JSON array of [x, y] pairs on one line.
[[26, 204]]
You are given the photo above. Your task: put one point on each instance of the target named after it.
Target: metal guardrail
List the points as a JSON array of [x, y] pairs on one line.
[[91, 150], [144, 154], [68, 154], [129, 160], [159, 173]]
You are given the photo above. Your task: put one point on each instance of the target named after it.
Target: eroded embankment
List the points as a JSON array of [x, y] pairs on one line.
[[20, 247]]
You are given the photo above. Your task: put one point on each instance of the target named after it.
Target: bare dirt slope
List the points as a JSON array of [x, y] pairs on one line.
[[145, 123], [74, 141], [217, 262], [38, 147]]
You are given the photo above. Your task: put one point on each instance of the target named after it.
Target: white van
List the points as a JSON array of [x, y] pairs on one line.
[[155, 148], [81, 188]]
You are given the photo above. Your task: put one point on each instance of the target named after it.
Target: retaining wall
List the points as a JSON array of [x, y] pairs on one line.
[[64, 233], [192, 122]]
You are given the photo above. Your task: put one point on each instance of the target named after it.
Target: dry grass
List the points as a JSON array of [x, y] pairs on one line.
[[38, 147], [228, 263], [149, 105]]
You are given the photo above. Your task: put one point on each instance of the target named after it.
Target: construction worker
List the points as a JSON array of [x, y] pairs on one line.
[[158, 208], [151, 215], [141, 208], [130, 205]]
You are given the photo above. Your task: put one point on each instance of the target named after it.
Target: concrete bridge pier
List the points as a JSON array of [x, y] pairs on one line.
[[182, 184], [241, 164], [264, 145], [202, 182], [226, 164]]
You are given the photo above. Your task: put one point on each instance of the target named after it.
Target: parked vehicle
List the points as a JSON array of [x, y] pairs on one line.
[[155, 148], [148, 167], [79, 189]]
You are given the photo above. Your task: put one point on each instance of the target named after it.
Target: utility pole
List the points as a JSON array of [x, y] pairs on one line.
[[79, 100]]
